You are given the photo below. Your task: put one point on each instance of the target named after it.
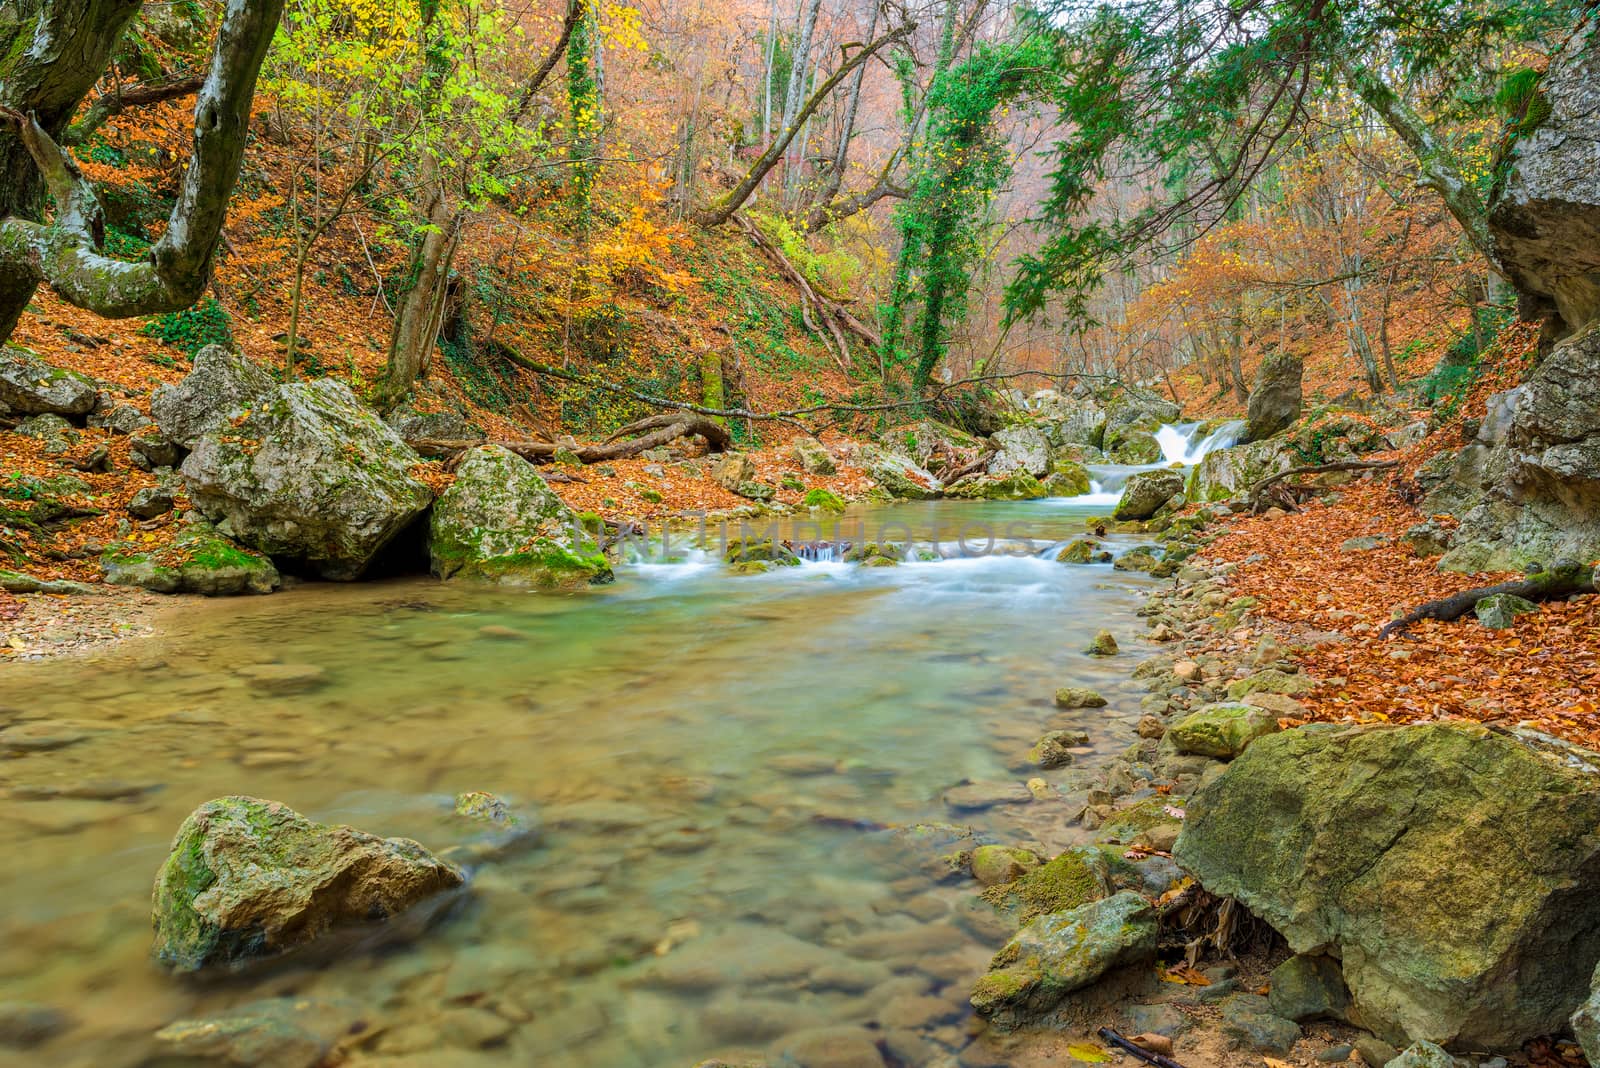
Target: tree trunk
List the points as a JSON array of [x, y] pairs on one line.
[[421, 313], [48, 62], [841, 154]]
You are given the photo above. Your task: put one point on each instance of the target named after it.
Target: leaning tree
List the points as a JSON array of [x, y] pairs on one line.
[[52, 224]]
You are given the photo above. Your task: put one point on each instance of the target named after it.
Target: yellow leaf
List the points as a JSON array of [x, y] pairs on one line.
[[1088, 1052]]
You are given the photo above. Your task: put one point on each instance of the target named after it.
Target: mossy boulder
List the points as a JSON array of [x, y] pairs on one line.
[[1067, 479], [1269, 681], [813, 456], [1016, 485], [33, 387], [220, 385], [1080, 696], [1081, 551], [311, 477], [1450, 868], [1309, 987], [1222, 731], [500, 522], [996, 865], [1131, 445], [1153, 823], [759, 551], [823, 500], [1073, 878], [897, 475], [1141, 559], [1103, 644], [1146, 493], [198, 561], [930, 444], [1226, 473], [1020, 448], [1060, 953], [867, 551], [1275, 396], [249, 879]]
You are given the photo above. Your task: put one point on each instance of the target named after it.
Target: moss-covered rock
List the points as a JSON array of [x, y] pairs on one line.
[[500, 522], [867, 551], [1067, 479], [1225, 473], [1079, 697], [309, 476], [198, 561], [1074, 878], [1450, 868], [1222, 731], [250, 879], [930, 444], [897, 475], [1081, 551], [1269, 681], [1146, 493], [1020, 448], [1017, 485], [996, 865], [1062, 952], [823, 500], [31, 386], [1132, 445], [1103, 644], [221, 385], [812, 455]]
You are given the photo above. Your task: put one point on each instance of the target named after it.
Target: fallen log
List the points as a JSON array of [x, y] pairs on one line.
[[1563, 580], [669, 429], [1258, 492]]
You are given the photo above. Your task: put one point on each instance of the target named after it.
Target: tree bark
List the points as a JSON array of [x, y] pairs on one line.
[[41, 85]]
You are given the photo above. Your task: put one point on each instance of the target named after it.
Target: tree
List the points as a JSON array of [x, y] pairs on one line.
[[51, 55], [1202, 99]]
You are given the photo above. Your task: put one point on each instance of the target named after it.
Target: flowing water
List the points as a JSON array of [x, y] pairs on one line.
[[1182, 445], [717, 764]]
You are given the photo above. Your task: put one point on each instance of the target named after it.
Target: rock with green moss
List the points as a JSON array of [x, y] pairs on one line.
[[1152, 823], [814, 456], [1586, 1021], [732, 469], [897, 475], [1103, 644], [1067, 479], [932, 445], [1270, 681], [1016, 485], [1309, 986], [1062, 952], [1225, 473], [1222, 731], [755, 491], [866, 551], [1449, 867], [500, 522], [1054, 749], [996, 865], [310, 477], [1501, 610], [221, 385], [1140, 559], [564, 456], [1080, 696], [33, 387], [760, 551], [198, 560], [1081, 551], [824, 500], [1146, 493], [1074, 878], [249, 879], [1131, 445]]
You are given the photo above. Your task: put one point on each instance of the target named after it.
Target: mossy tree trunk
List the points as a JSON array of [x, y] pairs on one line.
[[51, 54]]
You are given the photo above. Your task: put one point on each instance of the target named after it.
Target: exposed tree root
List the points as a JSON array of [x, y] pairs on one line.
[[1563, 580], [1274, 491]]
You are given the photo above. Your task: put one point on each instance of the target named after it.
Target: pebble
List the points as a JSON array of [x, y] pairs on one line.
[[1335, 1054]]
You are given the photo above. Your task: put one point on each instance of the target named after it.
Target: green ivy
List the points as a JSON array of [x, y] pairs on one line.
[[193, 328]]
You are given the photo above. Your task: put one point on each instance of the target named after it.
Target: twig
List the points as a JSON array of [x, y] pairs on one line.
[[1137, 1050]]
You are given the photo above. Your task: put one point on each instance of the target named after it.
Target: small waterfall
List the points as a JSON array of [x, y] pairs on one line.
[[1182, 445]]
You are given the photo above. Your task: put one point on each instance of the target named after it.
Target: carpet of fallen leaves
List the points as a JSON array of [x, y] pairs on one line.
[[1544, 671]]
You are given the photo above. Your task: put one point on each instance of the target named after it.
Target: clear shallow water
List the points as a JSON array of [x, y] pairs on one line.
[[710, 759]]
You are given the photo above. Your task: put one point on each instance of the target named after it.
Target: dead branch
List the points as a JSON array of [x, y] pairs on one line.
[[681, 425], [1563, 580], [813, 305], [1258, 492]]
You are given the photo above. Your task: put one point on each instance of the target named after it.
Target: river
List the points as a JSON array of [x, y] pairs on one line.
[[717, 765]]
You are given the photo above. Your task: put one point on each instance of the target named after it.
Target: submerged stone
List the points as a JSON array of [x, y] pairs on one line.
[[249, 879], [1079, 697], [271, 1033]]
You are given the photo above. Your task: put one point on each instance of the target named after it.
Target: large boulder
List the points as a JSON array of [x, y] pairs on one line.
[[221, 384], [416, 427], [1586, 1021], [1062, 952], [1020, 448], [1075, 420], [1226, 473], [1146, 492], [249, 879], [932, 445], [33, 387], [309, 476], [1544, 218], [1136, 406], [1017, 485], [198, 560], [500, 522], [1450, 868], [1275, 396], [898, 475]]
